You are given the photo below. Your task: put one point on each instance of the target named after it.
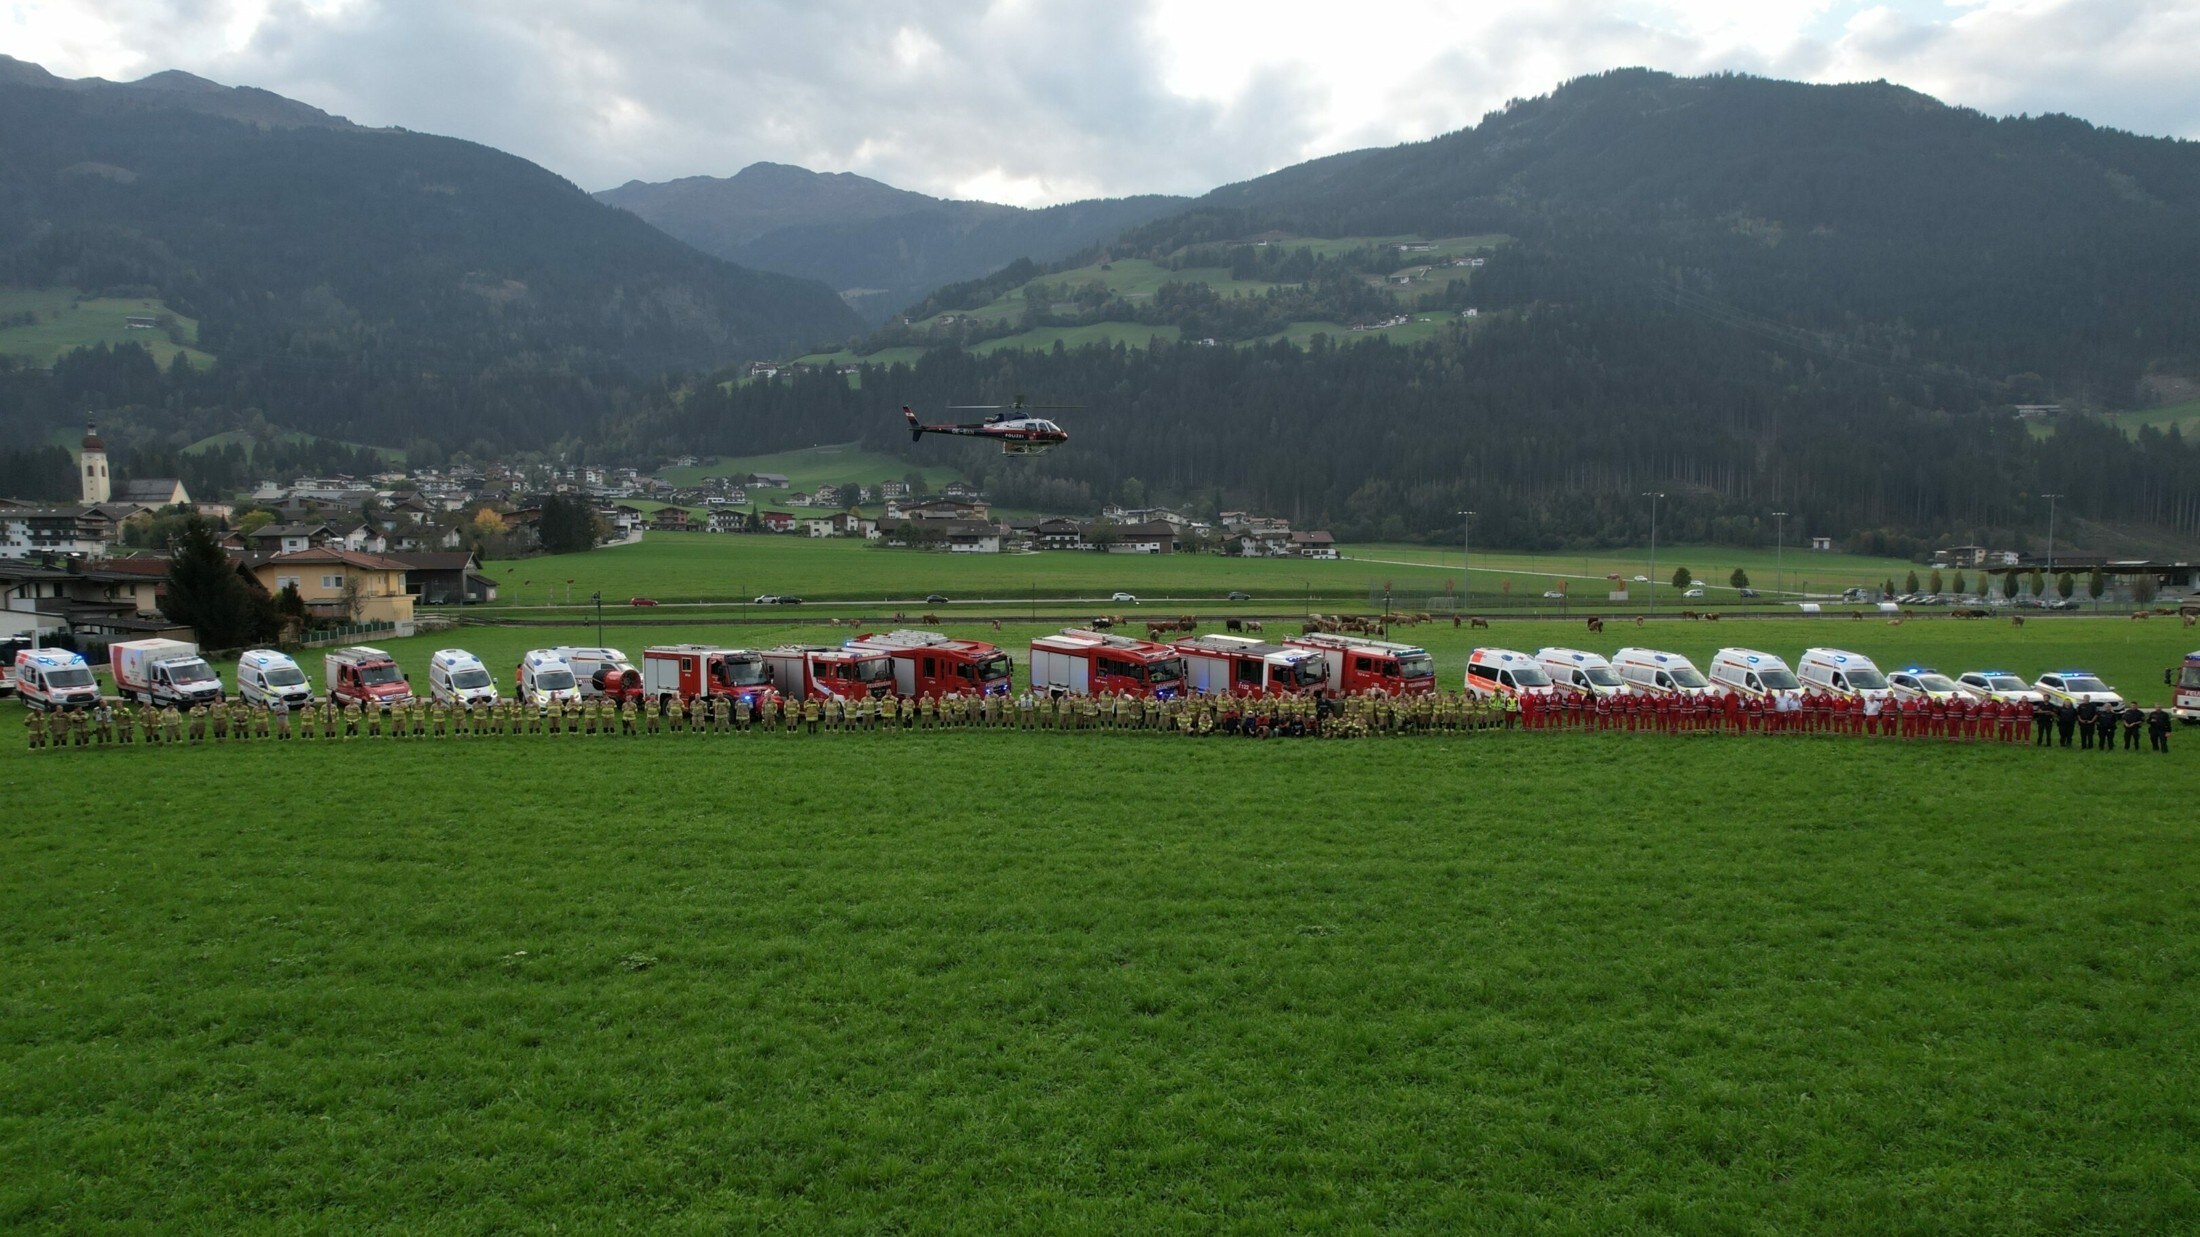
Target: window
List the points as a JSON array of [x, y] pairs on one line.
[[332, 583], [1249, 673], [1363, 665], [283, 582], [1483, 673]]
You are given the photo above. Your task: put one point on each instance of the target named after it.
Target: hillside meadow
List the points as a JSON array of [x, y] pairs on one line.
[[927, 981]]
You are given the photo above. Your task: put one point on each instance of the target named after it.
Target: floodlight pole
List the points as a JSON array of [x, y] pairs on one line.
[[1466, 557], [2050, 531], [1779, 546], [599, 618], [1653, 497]]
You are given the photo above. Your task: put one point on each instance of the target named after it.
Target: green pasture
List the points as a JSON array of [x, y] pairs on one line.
[[2178, 416], [810, 467], [688, 567], [884, 356], [247, 439], [64, 320], [1130, 334], [1125, 983], [1419, 327]]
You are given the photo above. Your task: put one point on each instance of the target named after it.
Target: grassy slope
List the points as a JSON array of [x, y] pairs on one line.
[[809, 468], [1627, 983], [2180, 415], [294, 437], [67, 320], [704, 566]]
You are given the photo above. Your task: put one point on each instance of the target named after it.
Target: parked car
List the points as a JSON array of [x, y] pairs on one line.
[[1694, 592], [1642, 579], [641, 601], [935, 599], [1125, 597], [1747, 592], [774, 599], [1552, 594], [1234, 595]]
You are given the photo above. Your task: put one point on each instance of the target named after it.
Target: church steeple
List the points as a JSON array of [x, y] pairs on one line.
[[98, 487]]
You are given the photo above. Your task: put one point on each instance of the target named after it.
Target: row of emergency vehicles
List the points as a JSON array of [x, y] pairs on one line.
[[1494, 673]]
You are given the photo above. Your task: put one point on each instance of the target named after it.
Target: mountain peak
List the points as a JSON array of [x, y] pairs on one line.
[[174, 88]]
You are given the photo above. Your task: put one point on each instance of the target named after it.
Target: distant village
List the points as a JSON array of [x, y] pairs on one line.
[[363, 552]]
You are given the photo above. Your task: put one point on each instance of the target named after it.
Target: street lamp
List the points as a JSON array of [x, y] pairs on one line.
[[2050, 531], [1779, 546], [1653, 497], [1466, 556], [598, 599]]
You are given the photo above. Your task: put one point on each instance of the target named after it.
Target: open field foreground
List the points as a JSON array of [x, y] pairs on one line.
[[977, 982]]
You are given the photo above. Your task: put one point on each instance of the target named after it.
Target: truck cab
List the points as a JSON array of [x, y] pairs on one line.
[[700, 671], [1242, 666], [928, 662], [50, 680], [821, 672], [2184, 681], [265, 676], [1357, 664]]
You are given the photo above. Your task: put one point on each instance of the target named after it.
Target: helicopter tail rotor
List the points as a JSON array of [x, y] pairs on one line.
[[916, 430]]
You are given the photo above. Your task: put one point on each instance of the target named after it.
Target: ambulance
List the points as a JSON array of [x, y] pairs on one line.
[[456, 676], [1842, 673], [1653, 672], [54, 679], [601, 672], [1576, 673], [1493, 673], [1754, 674], [265, 676], [544, 679]]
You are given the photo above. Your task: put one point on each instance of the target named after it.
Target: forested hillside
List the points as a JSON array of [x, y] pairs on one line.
[[378, 285], [882, 247]]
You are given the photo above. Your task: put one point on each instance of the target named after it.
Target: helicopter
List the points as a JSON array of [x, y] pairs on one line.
[[1011, 425]]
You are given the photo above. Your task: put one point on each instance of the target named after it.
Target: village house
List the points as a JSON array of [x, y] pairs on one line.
[[342, 585], [1058, 535], [672, 520], [776, 521], [729, 520], [446, 577], [1314, 545]]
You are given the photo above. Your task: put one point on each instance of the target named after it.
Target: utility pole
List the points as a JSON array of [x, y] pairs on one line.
[[1653, 497], [599, 618], [1466, 557], [1779, 547], [2051, 532]]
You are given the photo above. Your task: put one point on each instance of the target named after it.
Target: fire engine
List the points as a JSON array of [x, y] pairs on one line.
[[929, 663], [1357, 664], [602, 672], [1243, 666], [2185, 701], [360, 675], [697, 671], [821, 672], [1078, 662]]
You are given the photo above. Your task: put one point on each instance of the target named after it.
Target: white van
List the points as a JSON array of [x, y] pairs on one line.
[[1842, 673], [544, 678], [1748, 672], [456, 676], [1494, 673], [1581, 674], [265, 676], [1653, 672]]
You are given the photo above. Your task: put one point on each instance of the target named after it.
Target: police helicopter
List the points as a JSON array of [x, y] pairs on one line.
[[1011, 425]]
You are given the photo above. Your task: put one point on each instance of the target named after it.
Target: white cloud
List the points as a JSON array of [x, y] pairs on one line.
[[1046, 100]]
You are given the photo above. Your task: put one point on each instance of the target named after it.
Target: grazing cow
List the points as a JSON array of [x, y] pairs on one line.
[[1233, 624], [1894, 622], [2139, 614], [1154, 631], [1310, 627], [1478, 622], [1596, 626], [1102, 623], [1187, 623], [2191, 619], [1638, 620], [1909, 614], [1252, 625], [996, 624], [1690, 614], [2017, 620], [1858, 615], [1710, 617], [931, 620], [900, 617]]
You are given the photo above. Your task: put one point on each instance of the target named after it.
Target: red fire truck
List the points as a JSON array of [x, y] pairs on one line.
[[1078, 662], [365, 676], [929, 663], [1243, 666], [1357, 664], [821, 672], [700, 671]]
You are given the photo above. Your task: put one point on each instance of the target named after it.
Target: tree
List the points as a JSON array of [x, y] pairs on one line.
[[2010, 584], [290, 603], [2096, 584], [1886, 588], [206, 594], [1682, 577], [2039, 583], [567, 525], [1909, 582], [253, 521], [1740, 578], [1959, 582], [2143, 588], [2065, 585], [1934, 583]]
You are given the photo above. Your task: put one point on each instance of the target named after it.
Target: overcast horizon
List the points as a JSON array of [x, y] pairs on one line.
[[1166, 96]]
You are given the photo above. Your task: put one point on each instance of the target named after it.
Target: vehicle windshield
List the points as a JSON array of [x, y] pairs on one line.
[[469, 678], [2011, 683], [2083, 683], [1530, 676], [1312, 672], [1778, 680], [1164, 671], [872, 669], [192, 671], [742, 673], [1936, 682], [1602, 676], [1418, 666], [69, 676], [1689, 677], [2191, 678], [285, 676], [995, 667], [1867, 680], [376, 676], [559, 680]]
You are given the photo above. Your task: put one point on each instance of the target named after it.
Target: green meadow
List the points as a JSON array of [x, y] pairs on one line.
[[1099, 982], [62, 320]]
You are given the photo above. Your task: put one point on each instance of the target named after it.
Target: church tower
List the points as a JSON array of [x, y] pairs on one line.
[[97, 487]]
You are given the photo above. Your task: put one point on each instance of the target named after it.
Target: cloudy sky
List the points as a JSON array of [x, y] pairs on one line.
[[1038, 101]]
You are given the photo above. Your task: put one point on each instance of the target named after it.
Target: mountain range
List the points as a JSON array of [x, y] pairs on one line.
[[883, 248]]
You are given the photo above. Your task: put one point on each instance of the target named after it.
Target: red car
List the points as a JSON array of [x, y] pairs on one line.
[[641, 601]]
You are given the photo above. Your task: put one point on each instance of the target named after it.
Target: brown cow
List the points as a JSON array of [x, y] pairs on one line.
[[1710, 617], [2017, 620], [2139, 614], [1252, 625], [1478, 622], [1596, 626]]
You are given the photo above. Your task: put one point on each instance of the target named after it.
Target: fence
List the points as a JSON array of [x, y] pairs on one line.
[[345, 635]]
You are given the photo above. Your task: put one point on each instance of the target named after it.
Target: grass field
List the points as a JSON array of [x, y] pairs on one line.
[[723, 567], [245, 438], [65, 320], [1487, 982], [2180, 415], [1132, 334]]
